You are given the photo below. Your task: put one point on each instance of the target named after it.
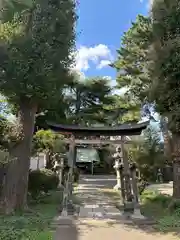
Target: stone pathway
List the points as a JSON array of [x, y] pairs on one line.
[[98, 218], [95, 204]]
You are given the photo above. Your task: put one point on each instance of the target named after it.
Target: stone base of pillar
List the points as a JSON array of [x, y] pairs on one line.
[[68, 210], [128, 206], [117, 187], [64, 213], [65, 228], [137, 214]]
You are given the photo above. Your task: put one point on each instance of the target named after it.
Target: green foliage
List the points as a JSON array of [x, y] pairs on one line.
[[169, 223], [37, 40], [10, 133], [174, 205], [132, 59], [12, 7], [131, 66], [123, 109], [42, 180], [91, 101], [46, 140], [141, 186], [86, 99], [154, 204], [55, 111], [134, 67], [148, 155], [81, 101], [162, 199], [163, 208], [35, 225], [36, 45], [165, 60]]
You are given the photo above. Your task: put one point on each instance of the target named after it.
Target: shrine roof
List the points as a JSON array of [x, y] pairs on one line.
[[127, 129]]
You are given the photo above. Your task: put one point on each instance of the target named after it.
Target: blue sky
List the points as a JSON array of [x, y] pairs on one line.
[[100, 27]]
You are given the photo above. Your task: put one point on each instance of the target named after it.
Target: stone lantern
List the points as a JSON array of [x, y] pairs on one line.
[[59, 166], [117, 157]]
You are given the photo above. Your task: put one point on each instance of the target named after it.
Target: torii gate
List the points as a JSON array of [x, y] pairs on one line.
[[75, 131]]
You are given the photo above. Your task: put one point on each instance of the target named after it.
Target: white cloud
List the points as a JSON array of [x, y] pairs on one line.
[[98, 54], [109, 78], [103, 63], [149, 3]]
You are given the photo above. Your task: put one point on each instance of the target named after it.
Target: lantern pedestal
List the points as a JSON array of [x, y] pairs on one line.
[[137, 214]]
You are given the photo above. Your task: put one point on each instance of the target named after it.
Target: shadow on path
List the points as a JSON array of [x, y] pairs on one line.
[[90, 191], [95, 230]]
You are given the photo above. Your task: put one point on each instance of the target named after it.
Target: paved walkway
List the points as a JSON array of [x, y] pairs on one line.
[[94, 203], [98, 218]]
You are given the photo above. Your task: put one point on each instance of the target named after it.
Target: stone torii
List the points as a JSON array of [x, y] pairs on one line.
[[76, 132]]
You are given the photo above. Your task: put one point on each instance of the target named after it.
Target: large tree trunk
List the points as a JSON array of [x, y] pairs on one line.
[[167, 147], [167, 140], [9, 188], [15, 189], [176, 166]]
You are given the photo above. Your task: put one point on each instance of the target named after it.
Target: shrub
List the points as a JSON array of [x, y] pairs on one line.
[[162, 199], [174, 206], [155, 197], [42, 180], [148, 155]]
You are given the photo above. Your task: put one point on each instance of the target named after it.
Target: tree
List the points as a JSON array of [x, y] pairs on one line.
[[50, 143], [164, 69], [133, 71], [86, 100], [131, 63], [148, 155], [35, 57], [79, 102], [123, 109]]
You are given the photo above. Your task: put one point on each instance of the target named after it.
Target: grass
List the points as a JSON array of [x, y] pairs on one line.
[[33, 225], [154, 205], [163, 209]]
